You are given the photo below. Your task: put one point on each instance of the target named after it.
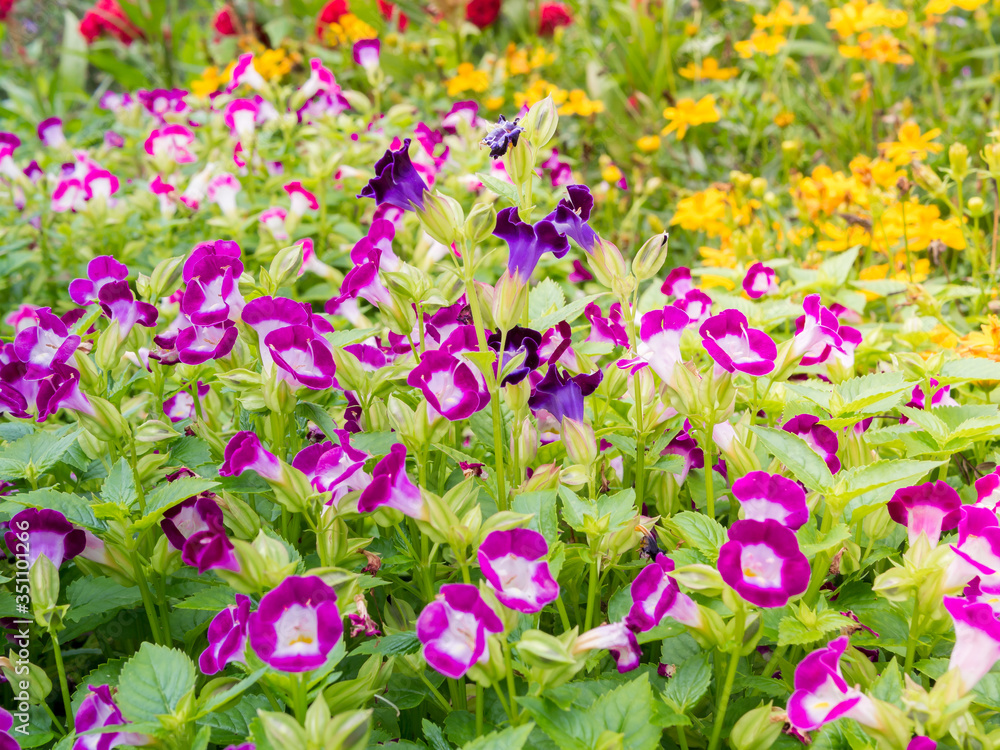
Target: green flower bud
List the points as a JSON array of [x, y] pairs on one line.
[[545, 477], [285, 265], [541, 122], [481, 222], [165, 278], [109, 350], [347, 731], [991, 155], [958, 160], [976, 206], [153, 431], [33, 686], [757, 729], [651, 257], [509, 298], [580, 443], [283, 731], [350, 374], [519, 161], [44, 581], [442, 217], [105, 423], [607, 263]]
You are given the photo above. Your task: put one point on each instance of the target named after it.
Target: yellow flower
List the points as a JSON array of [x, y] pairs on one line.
[[611, 174], [702, 211], [468, 79], [982, 343], [349, 28], [911, 144], [209, 82], [709, 280], [538, 90], [690, 29], [782, 17], [272, 64], [648, 143], [718, 258], [578, 104], [784, 119], [521, 62], [859, 15], [493, 102], [689, 113], [939, 7], [884, 48], [760, 42], [709, 70]]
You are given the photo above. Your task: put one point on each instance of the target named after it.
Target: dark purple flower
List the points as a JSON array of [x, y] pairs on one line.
[[514, 565], [243, 452], [454, 627], [304, 355], [571, 215], [297, 625], [227, 637], [763, 563], [198, 344], [822, 695], [928, 508], [35, 532], [504, 135], [735, 346], [519, 340], [528, 242], [100, 271], [391, 487], [99, 710], [396, 182], [819, 437], [655, 595], [338, 469], [561, 396], [194, 527], [766, 496], [42, 345]]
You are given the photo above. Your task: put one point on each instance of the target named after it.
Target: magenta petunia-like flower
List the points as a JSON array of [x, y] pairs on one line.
[[197, 344], [763, 563], [454, 627], [301, 200], [297, 625], [766, 496], [822, 695], [396, 181], [246, 74], [988, 491], [222, 191], [243, 452], [659, 344], [977, 639], [921, 742], [241, 119], [303, 356], [7, 741], [686, 447], [391, 487], [678, 282], [227, 637], [609, 330], [977, 554], [98, 710], [618, 638], [820, 438], [514, 565], [46, 532], [817, 332], [928, 508], [42, 345], [172, 142], [194, 527], [338, 469], [101, 270], [366, 53], [453, 387], [50, 132], [656, 595], [760, 280], [213, 294], [321, 79], [120, 305], [735, 346]]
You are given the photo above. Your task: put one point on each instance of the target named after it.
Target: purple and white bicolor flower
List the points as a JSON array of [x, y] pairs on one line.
[[977, 554], [528, 242], [366, 53], [297, 625], [819, 437], [610, 329], [99, 710], [763, 563], [300, 199], [222, 190], [194, 527], [659, 344], [303, 357], [33, 532], [61, 390], [656, 595], [453, 629], [321, 80], [241, 119], [766, 496], [735, 346], [274, 219], [396, 181], [822, 695], [227, 637], [454, 388], [197, 344], [392, 488], [817, 333], [246, 74], [686, 447], [42, 345], [618, 638], [988, 491], [517, 341], [120, 305], [336, 468], [267, 314], [928, 509], [171, 143], [678, 282], [181, 405], [514, 565], [759, 281], [977, 639], [212, 295], [164, 192], [50, 132], [244, 451]]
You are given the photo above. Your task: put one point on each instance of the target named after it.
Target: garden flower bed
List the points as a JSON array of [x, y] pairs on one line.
[[492, 375]]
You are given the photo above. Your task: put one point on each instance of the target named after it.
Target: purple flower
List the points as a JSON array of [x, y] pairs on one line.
[[659, 344], [655, 595], [822, 695], [396, 182], [44, 532], [817, 333], [304, 355], [580, 274], [678, 282], [988, 491], [181, 405], [119, 304], [977, 554], [519, 340], [300, 199], [50, 132], [452, 387], [194, 527], [241, 118], [61, 390], [172, 142], [7, 741], [528, 242], [391, 487], [243, 452], [760, 280], [321, 79], [198, 344], [734, 346], [453, 629], [227, 637], [514, 565], [212, 294], [941, 396], [977, 639], [819, 437], [101, 270], [297, 625], [559, 395], [920, 742], [571, 215], [928, 508], [766, 496], [763, 563], [618, 638], [334, 468], [366, 53], [246, 73], [610, 330], [99, 710], [686, 447], [504, 135], [222, 191], [44, 344]]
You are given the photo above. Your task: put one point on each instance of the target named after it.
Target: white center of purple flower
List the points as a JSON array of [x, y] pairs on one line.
[[297, 632], [760, 566], [516, 576], [459, 641]]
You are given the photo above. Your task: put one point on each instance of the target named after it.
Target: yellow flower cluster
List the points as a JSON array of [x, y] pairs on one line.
[[520, 62], [716, 212], [859, 17], [272, 64], [982, 343], [347, 30], [760, 42], [911, 144], [468, 79], [709, 70], [573, 102], [784, 16], [884, 48], [938, 7], [688, 113]]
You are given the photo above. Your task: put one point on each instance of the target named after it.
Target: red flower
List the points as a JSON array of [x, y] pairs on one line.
[[331, 13], [107, 17], [6, 8], [551, 16], [388, 10], [482, 12], [225, 22]]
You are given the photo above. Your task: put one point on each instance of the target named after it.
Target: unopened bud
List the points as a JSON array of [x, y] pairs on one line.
[[350, 373], [607, 263], [481, 222], [958, 160], [166, 277], [541, 122], [285, 266], [651, 257], [442, 217], [509, 297], [579, 441], [991, 155]]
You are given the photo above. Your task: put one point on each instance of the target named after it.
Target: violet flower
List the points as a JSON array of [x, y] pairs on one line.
[[819, 437], [198, 344], [227, 637], [194, 527], [244, 451], [736, 347], [817, 332], [102, 270], [213, 294], [559, 395], [61, 390], [656, 595], [504, 135], [518, 340], [618, 638], [120, 305], [528, 242], [571, 215], [659, 344], [822, 695], [44, 344], [338, 469], [763, 563], [172, 143], [396, 182], [99, 710], [44, 532], [50, 132], [928, 508], [366, 53], [759, 281], [303, 355], [391, 487], [453, 388], [977, 640], [514, 565], [297, 625], [301, 200], [453, 629], [7, 741], [766, 496]]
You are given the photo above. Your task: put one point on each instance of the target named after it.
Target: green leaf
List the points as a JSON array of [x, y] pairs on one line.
[[541, 505], [797, 457], [545, 298], [319, 415], [98, 595], [170, 494], [966, 370], [153, 682], [501, 188], [886, 476], [699, 531], [568, 313], [792, 632], [397, 644], [512, 738], [435, 736], [880, 389], [689, 684], [73, 58], [74, 507], [34, 454], [812, 541], [209, 599], [838, 267], [374, 443], [119, 487], [351, 336]]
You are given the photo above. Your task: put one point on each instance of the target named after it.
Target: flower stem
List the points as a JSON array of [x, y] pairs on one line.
[[709, 479], [727, 687], [511, 690], [301, 697], [563, 617], [147, 599], [63, 684], [479, 710], [912, 637], [436, 693], [588, 619]]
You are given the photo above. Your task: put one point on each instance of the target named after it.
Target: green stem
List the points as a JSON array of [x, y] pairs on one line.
[[772, 663], [709, 478], [911, 639], [52, 716], [591, 593], [301, 697], [63, 684], [511, 690], [563, 617], [479, 710], [727, 688], [161, 592], [436, 693], [147, 599]]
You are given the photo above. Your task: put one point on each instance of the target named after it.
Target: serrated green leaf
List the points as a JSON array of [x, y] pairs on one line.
[[119, 487], [882, 475], [699, 531], [501, 188], [75, 508], [153, 682], [397, 644], [545, 298], [511, 738], [170, 494], [39, 450], [689, 684], [797, 457], [93, 595], [568, 312], [541, 506], [967, 370]]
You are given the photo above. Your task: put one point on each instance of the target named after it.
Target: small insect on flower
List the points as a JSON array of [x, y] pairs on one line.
[[503, 136], [648, 546]]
